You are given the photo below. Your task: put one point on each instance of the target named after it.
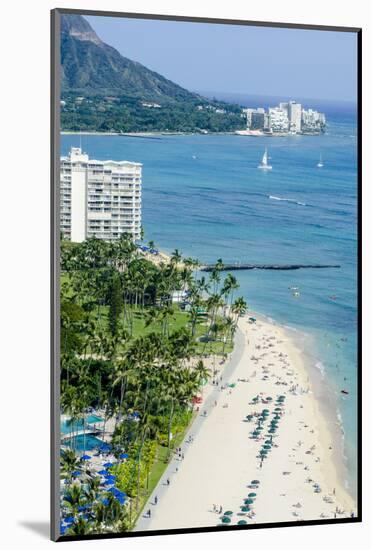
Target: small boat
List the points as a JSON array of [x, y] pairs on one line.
[[264, 163], [345, 392], [320, 162]]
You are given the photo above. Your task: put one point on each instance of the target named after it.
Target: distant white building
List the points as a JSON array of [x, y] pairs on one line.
[[98, 198], [278, 120], [294, 116], [313, 121]]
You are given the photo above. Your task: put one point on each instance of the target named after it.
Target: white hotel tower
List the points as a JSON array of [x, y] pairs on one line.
[[99, 198]]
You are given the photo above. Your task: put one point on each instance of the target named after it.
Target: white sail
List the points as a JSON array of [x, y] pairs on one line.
[[320, 163], [264, 162]]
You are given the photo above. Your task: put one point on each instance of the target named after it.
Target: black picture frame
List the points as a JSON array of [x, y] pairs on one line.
[[55, 270]]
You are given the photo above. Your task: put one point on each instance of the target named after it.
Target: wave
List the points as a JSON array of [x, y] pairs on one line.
[[273, 197]]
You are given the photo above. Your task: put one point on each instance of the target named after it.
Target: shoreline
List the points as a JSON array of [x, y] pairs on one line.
[[325, 396], [159, 133], [221, 460]]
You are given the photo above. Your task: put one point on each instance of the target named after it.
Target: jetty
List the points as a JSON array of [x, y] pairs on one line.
[[274, 267]]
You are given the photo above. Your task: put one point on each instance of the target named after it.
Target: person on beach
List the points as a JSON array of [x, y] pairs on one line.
[[168, 480], [221, 510], [149, 513], [156, 499]]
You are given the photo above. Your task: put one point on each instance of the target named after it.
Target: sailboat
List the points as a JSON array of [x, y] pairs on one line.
[[320, 162], [264, 163]]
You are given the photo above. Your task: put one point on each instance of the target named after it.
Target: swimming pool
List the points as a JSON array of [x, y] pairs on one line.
[[81, 443], [67, 426]]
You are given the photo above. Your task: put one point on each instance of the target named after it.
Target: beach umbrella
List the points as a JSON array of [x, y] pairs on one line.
[[265, 411], [107, 464], [123, 456], [121, 499], [70, 519], [248, 501], [268, 398], [76, 473], [228, 513], [102, 472], [263, 452], [242, 522], [277, 409], [226, 519], [105, 501], [245, 508], [255, 482], [267, 447], [251, 495], [86, 457]]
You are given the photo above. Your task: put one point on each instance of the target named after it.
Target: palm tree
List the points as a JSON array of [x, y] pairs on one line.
[[70, 462], [176, 257], [239, 308]]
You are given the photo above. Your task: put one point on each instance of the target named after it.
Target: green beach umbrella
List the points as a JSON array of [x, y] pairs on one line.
[[245, 508], [277, 409], [265, 411], [272, 431], [251, 495], [248, 501], [255, 482], [226, 519], [242, 522], [268, 398], [228, 513], [263, 452], [267, 447]]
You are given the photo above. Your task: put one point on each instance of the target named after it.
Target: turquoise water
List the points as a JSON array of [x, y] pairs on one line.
[[83, 443], [68, 426], [217, 205]]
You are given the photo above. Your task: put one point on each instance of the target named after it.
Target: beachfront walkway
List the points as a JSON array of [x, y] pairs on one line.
[[175, 469]]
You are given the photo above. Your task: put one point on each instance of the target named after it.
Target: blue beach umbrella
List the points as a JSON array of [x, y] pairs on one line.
[[102, 472], [121, 499], [69, 520], [76, 473], [86, 457], [107, 464], [123, 456]]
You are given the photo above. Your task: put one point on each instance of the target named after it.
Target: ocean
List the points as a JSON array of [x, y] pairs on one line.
[[204, 195]]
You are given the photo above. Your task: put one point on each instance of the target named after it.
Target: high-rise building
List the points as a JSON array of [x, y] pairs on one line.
[[313, 122], [278, 120], [98, 198], [294, 115]]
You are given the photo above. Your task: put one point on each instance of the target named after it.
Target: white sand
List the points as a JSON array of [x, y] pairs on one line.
[[222, 460]]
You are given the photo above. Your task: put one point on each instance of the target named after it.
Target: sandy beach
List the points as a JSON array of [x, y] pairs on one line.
[[298, 480]]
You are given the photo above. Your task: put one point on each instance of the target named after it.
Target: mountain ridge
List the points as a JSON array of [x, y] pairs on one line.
[[89, 64]]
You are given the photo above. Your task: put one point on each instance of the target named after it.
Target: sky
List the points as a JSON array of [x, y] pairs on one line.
[[238, 59]]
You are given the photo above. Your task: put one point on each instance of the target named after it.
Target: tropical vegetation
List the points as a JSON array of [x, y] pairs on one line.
[[135, 357]]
